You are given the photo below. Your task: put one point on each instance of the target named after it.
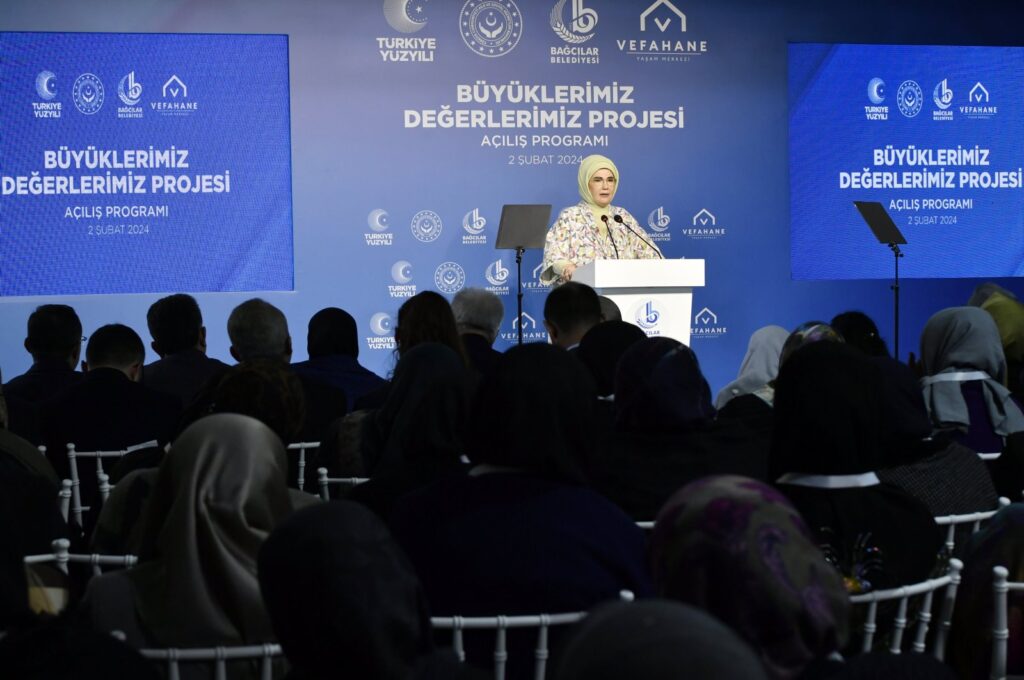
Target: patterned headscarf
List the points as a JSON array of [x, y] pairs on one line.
[[739, 550]]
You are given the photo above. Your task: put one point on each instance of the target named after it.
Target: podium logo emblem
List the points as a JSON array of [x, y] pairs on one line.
[[647, 315]]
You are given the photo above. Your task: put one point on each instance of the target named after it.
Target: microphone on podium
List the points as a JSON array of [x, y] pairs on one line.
[[604, 218], [618, 218]]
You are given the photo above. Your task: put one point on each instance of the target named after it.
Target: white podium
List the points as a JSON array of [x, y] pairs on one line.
[[656, 295]]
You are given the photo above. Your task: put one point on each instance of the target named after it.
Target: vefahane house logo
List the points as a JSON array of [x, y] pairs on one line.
[[176, 100], [706, 326], [491, 28], [663, 36], [401, 274], [407, 17], [704, 226], [87, 93], [533, 284], [531, 331], [575, 29], [129, 91], [382, 328], [46, 90], [473, 223], [875, 110], [426, 226], [449, 277], [379, 234], [979, 103]]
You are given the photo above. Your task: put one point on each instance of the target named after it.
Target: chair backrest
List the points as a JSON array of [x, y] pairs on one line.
[[217, 656], [646, 526], [323, 481], [64, 498], [1001, 586], [77, 509], [947, 584], [951, 522], [500, 625], [302, 447], [61, 556]]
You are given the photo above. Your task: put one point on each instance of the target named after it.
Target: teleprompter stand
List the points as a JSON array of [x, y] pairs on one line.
[[522, 228], [886, 231]]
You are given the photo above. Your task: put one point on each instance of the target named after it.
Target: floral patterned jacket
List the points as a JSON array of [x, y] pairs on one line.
[[574, 238]]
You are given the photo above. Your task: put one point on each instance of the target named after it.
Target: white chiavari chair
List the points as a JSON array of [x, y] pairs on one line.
[[324, 482]]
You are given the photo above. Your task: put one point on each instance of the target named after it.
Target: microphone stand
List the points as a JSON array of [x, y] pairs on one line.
[[519, 291], [608, 227], [618, 218]]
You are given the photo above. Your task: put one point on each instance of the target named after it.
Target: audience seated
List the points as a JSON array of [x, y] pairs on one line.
[[739, 550], [332, 343], [825, 453], [108, 410], [999, 543], [417, 435], [218, 494], [754, 409], [655, 640], [965, 373], [609, 310], [858, 330], [946, 476], [425, 317], [521, 533], [602, 347], [478, 316], [570, 310], [759, 367], [344, 600], [179, 339], [1008, 313], [665, 433], [54, 340]]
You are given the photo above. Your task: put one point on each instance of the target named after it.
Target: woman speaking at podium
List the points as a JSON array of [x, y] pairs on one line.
[[594, 229]]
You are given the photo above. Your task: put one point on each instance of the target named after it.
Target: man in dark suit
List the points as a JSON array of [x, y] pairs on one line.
[[179, 339], [333, 346], [108, 410], [54, 340], [478, 316]]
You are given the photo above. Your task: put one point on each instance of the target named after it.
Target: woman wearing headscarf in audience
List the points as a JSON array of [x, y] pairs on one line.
[[858, 330], [946, 476], [520, 533], [665, 432], [964, 389], [754, 409], [760, 364], [219, 493], [655, 640], [602, 347], [344, 600], [739, 550], [417, 435], [999, 543], [825, 454]]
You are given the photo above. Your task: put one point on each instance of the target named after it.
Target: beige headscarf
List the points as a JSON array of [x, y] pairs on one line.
[[219, 493], [588, 168]]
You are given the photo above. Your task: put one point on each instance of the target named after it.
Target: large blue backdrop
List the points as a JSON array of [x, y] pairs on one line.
[[412, 123]]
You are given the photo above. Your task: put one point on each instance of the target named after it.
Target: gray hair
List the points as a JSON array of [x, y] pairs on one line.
[[478, 310], [258, 329]]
